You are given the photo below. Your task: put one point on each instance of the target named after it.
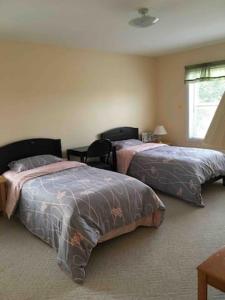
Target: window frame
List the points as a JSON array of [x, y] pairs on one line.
[[205, 72]]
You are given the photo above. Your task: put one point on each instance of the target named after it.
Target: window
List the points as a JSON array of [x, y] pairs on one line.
[[204, 98], [206, 85]]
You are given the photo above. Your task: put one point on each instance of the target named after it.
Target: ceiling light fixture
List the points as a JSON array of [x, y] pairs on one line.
[[144, 20]]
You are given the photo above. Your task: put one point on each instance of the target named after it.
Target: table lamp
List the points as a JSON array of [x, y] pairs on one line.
[[159, 131]]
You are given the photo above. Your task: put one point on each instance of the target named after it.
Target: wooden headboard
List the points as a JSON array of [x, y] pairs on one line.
[[121, 133], [27, 148]]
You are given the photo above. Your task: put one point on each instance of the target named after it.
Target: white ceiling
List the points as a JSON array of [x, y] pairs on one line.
[[103, 24]]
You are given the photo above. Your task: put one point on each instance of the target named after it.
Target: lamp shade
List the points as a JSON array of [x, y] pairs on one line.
[[160, 130], [215, 135]]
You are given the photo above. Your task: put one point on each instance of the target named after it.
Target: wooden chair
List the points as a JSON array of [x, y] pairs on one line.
[[212, 272]]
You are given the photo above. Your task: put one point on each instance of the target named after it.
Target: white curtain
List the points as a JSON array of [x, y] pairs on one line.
[[215, 136]]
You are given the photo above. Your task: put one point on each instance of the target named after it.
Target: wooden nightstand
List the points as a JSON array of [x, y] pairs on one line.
[[2, 193]]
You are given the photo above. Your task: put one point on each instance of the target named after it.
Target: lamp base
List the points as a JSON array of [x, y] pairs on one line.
[[157, 139]]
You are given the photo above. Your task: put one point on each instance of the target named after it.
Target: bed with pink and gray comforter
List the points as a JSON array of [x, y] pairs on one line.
[[72, 207], [177, 171]]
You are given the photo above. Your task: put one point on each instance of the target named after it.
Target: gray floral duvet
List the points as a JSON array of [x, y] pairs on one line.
[[178, 171], [74, 209]]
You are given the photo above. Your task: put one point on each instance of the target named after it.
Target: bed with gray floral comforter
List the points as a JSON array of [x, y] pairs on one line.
[[178, 171], [74, 209]]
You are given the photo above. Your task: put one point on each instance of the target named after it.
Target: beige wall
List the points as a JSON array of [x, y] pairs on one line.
[[172, 92], [47, 91]]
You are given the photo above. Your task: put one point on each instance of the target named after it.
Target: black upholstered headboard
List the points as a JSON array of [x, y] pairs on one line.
[[27, 148], [121, 133]]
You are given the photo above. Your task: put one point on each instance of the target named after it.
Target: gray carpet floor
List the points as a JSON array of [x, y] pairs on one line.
[[146, 264]]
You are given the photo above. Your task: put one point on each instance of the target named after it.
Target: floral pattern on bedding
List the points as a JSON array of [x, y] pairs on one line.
[[72, 210], [178, 171]]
